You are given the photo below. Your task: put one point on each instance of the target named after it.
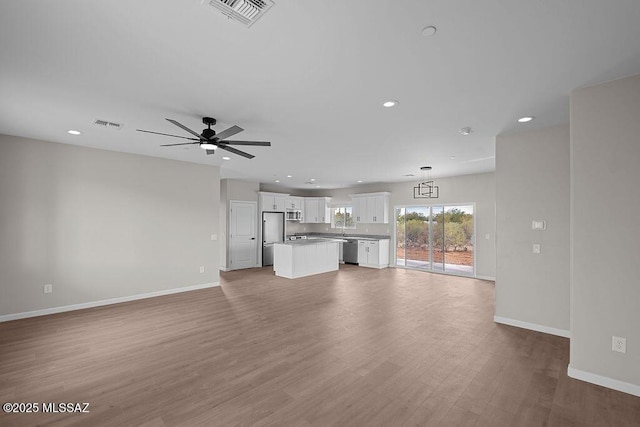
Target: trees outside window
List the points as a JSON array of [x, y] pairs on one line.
[[342, 217]]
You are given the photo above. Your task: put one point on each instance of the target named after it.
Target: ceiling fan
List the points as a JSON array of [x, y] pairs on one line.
[[209, 140]]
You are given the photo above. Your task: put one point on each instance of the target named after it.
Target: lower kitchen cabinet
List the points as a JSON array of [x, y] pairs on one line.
[[373, 253]]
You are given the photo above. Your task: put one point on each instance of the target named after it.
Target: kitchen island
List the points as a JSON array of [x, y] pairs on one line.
[[300, 258]]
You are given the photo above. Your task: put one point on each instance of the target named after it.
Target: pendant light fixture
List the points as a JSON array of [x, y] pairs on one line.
[[426, 188]]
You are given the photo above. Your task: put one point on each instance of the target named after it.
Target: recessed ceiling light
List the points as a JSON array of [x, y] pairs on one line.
[[317, 186], [429, 31], [525, 119], [226, 158], [390, 103], [359, 181], [312, 179], [452, 157], [289, 176], [74, 132], [277, 180]]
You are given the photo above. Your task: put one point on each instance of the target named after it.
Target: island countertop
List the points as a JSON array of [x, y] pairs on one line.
[[312, 241]]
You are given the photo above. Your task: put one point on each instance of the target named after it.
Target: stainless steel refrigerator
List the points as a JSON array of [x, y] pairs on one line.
[[272, 232]]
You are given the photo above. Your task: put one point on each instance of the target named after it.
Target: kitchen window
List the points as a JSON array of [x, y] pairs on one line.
[[342, 217]]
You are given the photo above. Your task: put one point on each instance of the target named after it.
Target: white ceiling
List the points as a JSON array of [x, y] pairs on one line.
[[309, 76]]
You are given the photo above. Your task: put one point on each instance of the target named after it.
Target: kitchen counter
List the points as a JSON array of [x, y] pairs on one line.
[[311, 241], [299, 258], [344, 236]]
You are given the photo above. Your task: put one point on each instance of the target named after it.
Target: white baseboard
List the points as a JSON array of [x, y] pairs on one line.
[[533, 326], [224, 269], [493, 279], [62, 309], [604, 381]]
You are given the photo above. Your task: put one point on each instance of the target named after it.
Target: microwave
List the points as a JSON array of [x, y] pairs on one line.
[[293, 215]]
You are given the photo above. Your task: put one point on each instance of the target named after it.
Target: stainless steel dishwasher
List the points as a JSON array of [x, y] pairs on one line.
[[350, 251]]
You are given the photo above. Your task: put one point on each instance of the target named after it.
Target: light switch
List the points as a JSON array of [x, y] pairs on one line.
[[536, 248], [214, 237], [487, 236], [538, 225]]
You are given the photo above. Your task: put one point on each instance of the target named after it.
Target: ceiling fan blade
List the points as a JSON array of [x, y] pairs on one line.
[[181, 126], [184, 143], [167, 134], [233, 150], [255, 143], [211, 151], [229, 132]]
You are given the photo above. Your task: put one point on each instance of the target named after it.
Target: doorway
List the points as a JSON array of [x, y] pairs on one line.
[[243, 245], [436, 238]]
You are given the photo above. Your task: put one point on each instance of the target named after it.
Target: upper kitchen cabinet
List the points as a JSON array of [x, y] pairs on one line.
[[371, 208], [295, 203], [316, 210], [273, 201]]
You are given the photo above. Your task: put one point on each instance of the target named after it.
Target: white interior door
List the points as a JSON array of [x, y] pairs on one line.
[[243, 244]]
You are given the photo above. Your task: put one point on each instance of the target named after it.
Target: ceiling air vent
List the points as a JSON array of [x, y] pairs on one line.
[[244, 11], [107, 124]]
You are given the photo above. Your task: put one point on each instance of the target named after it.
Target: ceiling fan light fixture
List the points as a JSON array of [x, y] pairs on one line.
[[208, 146]]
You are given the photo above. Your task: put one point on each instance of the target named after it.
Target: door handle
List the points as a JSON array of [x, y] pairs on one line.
[[253, 238]]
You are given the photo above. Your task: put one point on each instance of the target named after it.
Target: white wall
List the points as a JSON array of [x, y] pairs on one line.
[[100, 225], [532, 183], [478, 189], [605, 254]]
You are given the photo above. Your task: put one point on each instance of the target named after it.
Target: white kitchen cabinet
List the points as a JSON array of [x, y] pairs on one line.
[[371, 208], [316, 210], [273, 201], [295, 203], [373, 253], [359, 208], [300, 258]]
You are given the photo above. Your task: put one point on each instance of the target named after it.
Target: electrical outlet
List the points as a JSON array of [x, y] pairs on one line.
[[202, 269], [536, 248], [48, 289], [538, 225], [214, 237], [619, 344], [487, 236]]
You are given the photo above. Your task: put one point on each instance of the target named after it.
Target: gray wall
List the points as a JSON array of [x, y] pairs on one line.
[[605, 201], [478, 189], [233, 189], [532, 183], [99, 224]]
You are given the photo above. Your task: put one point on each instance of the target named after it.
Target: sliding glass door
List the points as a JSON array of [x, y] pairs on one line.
[[436, 238]]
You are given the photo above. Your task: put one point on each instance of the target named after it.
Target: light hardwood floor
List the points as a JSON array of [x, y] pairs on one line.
[[358, 347]]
